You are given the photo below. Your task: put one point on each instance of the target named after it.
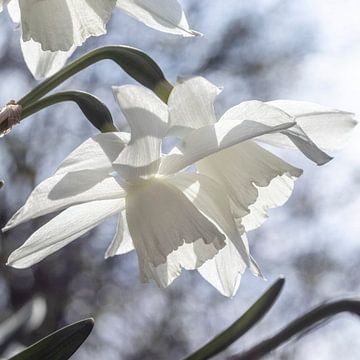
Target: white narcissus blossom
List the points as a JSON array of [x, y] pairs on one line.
[[172, 217], [254, 179], [52, 29]]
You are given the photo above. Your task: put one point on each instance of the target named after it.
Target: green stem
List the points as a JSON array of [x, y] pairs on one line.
[[133, 61], [58, 98], [299, 325]]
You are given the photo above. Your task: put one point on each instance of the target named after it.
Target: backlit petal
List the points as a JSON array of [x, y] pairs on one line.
[[211, 139], [147, 116], [163, 15], [328, 128], [271, 116], [96, 153], [58, 25], [254, 179], [191, 105], [63, 229], [61, 191], [161, 220], [122, 242], [43, 63]]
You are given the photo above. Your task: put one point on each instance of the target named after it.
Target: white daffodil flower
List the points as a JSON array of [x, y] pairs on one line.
[[175, 219], [254, 179], [52, 29]]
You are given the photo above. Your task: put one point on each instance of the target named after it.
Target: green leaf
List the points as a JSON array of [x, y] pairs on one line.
[[2, 183], [92, 107], [59, 345], [134, 62], [242, 325]]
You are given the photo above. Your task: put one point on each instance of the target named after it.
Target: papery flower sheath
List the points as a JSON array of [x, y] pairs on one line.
[[52, 29], [189, 208]]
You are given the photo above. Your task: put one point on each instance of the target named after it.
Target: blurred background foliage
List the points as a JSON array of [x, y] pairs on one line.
[[263, 49]]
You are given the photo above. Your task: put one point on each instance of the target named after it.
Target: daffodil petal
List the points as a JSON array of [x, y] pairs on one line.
[[43, 63], [61, 191], [161, 220], [254, 179], [224, 270], [122, 242], [211, 139], [328, 128], [148, 117], [63, 229], [14, 10], [164, 15], [270, 115], [96, 153], [58, 25], [186, 256], [210, 198], [191, 105]]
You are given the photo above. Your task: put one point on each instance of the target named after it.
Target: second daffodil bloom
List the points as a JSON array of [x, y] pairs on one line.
[[52, 29], [189, 208]]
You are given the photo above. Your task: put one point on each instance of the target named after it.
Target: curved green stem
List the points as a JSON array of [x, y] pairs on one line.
[[133, 61], [97, 113]]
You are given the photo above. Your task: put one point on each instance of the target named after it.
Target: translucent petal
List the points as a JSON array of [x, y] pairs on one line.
[[271, 116], [211, 139], [328, 128], [43, 63], [58, 25], [63, 229], [61, 191], [122, 242], [224, 270], [161, 220], [254, 179], [163, 15], [96, 153], [191, 105], [147, 116]]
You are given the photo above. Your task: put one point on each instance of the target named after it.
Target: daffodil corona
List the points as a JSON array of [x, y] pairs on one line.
[[189, 208]]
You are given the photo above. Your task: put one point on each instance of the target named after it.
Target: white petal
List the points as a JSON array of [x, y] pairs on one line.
[[191, 105], [328, 128], [254, 179], [224, 270], [58, 25], [63, 229], [61, 191], [147, 116], [14, 10], [208, 197], [164, 15], [122, 242], [213, 138], [43, 63], [270, 115], [187, 256], [161, 219], [96, 153]]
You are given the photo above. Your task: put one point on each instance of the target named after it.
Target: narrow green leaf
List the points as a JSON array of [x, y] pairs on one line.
[[136, 63], [92, 107], [242, 325], [59, 345]]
